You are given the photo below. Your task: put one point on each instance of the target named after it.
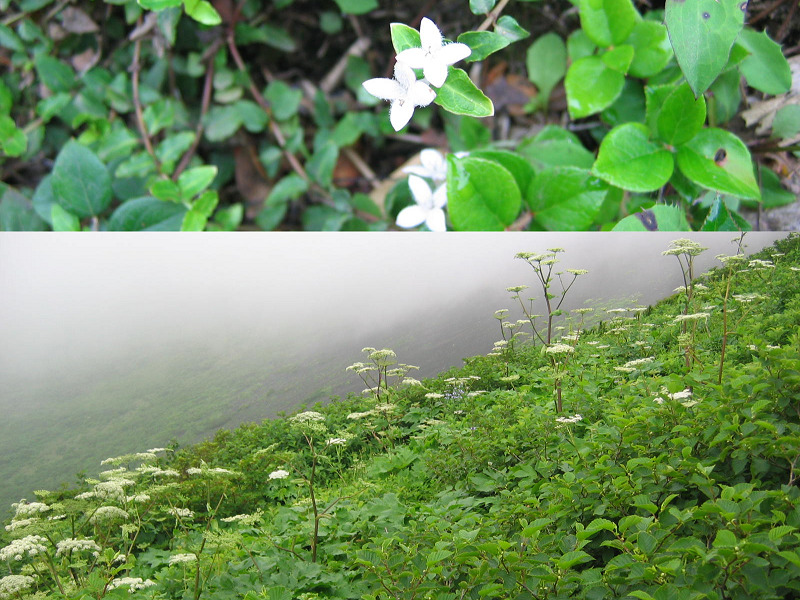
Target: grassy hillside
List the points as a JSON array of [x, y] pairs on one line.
[[653, 456]]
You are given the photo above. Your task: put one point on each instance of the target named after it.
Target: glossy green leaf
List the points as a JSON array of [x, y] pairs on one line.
[[721, 218], [202, 11], [482, 43], [556, 147], [579, 45], [157, 5], [63, 220], [629, 105], [481, 7], [786, 123], [766, 68], [509, 27], [718, 160], [607, 22], [702, 33], [591, 86], [460, 96], [321, 164], [546, 61], [356, 7], [566, 198], [172, 148], [629, 160], [166, 190], [404, 37], [681, 116], [16, 213], [521, 169], [81, 183], [482, 194], [195, 180], [619, 58], [652, 50], [657, 218], [284, 100], [725, 98]]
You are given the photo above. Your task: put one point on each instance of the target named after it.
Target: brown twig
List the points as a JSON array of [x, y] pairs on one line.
[[137, 103], [492, 16], [205, 103]]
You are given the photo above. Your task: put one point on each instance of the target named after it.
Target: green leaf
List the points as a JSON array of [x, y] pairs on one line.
[[482, 194], [652, 50], [10, 40], [721, 218], [81, 183], [194, 220], [284, 101], [279, 593], [437, 556], [157, 5], [725, 539], [221, 122], [272, 36], [16, 213], [658, 218], [195, 180], [320, 166], [786, 123], [481, 7], [718, 160], [57, 76], [579, 45], [572, 558], [546, 61], [166, 190], [766, 68], [508, 27], [619, 58], [63, 220], [520, 168], [404, 37], [629, 160], [482, 43], [206, 203], [202, 12], [724, 98], [607, 22], [566, 198], [147, 214], [772, 193], [13, 141], [702, 33], [230, 217], [681, 116], [172, 148], [556, 147], [357, 7], [646, 542], [460, 96], [591, 86]]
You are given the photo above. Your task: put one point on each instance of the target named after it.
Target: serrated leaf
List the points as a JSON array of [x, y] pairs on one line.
[[460, 96], [482, 194], [628, 159], [725, 539], [566, 198], [591, 86], [766, 68], [718, 160], [702, 33], [779, 531], [81, 183], [607, 22], [657, 218], [482, 43], [437, 556], [572, 558]]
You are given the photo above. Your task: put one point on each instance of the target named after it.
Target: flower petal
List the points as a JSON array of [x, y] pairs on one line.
[[452, 53], [429, 35], [420, 94], [416, 58], [404, 75], [400, 113], [385, 89], [411, 216], [435, 220], [423, 195], [440, 196], [436, 73]]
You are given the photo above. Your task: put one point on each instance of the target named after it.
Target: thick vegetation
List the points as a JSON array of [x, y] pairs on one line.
[[652, 455]]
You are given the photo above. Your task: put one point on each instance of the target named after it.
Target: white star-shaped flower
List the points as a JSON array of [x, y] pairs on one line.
[[404, 92], [433, 57], [428, 207], [434, 165]]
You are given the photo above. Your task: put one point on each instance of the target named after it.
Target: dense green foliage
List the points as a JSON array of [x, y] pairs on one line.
[[671, 473], [189, 115]]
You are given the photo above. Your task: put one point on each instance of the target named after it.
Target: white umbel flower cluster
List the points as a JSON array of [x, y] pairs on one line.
[[13, 585], [133, 583], [69, 545], [30, 545]]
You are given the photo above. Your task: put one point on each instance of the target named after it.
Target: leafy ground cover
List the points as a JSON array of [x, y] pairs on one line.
[[171, 114], [651, 455]]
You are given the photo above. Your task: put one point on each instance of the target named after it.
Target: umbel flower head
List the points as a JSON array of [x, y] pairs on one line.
[[404, 92], [434, 56]]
